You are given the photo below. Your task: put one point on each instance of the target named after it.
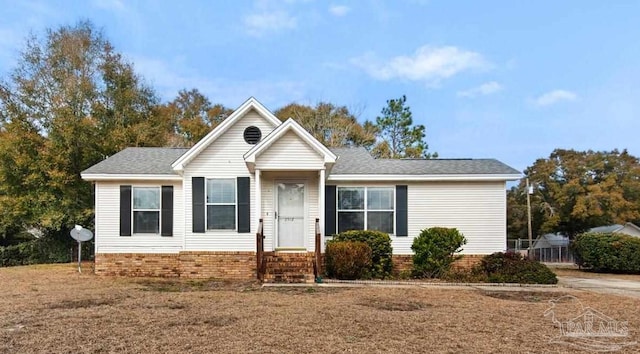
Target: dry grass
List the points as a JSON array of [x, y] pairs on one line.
[[588, 274], [53, 309]]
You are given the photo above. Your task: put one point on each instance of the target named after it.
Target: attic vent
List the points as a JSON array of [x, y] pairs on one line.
[[252, 135]]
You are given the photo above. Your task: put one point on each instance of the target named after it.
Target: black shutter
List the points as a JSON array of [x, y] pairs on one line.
[[166, 229], [244, 210], [401, 211], [329, 210], [125, 210], [197, 198]]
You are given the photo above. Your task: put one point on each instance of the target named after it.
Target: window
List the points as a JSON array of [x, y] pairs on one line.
[[146, 210], [365, 208], [221, 204]]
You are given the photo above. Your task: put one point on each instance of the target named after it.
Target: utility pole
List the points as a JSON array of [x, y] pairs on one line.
[[529, 192]]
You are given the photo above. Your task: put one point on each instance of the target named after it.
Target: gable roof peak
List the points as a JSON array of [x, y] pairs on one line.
[[238, 113]]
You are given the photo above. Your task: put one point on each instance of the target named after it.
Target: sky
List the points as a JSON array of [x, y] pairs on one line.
[[511, 80]]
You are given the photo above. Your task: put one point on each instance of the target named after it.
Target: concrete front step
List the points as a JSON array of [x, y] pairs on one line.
[[285, 267]]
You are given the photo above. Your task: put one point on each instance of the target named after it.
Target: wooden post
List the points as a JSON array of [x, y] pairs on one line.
[[259, 251], [318, 250], [530, 253]]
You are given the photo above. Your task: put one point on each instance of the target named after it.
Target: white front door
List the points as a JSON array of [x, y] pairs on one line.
[[290, 212]]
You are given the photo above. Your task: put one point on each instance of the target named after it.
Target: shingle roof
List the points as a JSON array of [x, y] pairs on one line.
[[147, 160], [354, 161], [351, 161]]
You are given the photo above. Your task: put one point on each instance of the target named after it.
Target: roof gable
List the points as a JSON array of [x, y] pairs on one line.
[[288, 126], [240, 112]]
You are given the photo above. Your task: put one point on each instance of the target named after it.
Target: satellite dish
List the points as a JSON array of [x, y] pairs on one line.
[[81, 235]]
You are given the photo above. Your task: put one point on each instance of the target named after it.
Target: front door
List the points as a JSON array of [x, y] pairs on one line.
[[290, 211]]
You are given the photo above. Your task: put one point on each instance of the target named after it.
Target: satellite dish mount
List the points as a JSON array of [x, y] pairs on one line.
[[80, 234]]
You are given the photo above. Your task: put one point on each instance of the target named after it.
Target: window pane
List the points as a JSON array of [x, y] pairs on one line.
[[350, 221], [146, 222], [221, 191], [350, 198], [221, 217], [380, 198], [146, 198], [380, 221]]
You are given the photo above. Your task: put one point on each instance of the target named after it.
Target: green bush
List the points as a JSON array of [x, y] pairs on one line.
[[380, 244], [512, 267], [607, 252], [435, 250], [347, 259], [47, 249]]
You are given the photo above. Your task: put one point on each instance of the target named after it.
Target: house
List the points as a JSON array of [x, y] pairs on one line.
[[555, 247], [628, 229], [257, 184]]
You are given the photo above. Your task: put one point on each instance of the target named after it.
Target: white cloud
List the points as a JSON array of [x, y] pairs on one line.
[[339, 10], [487, 88], [263, 22], [555, 96], [430, 64]]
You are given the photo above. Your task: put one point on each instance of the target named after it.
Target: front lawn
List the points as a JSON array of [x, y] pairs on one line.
[[52, 308]]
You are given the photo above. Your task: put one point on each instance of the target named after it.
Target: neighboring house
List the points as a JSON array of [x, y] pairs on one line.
[[555, 247], [627, 229], [196, 212]]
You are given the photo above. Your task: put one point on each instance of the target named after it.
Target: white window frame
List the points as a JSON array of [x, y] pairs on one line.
[[133, 210], [235, 203], [366, 209]]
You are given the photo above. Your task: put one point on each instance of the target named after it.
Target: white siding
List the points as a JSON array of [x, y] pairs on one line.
[[107, 233], [268, 205], [223, 159], [290, 152], [476, 209]]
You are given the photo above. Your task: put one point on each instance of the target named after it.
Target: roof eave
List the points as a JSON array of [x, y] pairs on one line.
[[405, 177], [129, 177]]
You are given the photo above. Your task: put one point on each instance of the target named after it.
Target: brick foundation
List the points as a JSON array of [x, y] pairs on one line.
[[404, 263], [138, 264], [223, 265]]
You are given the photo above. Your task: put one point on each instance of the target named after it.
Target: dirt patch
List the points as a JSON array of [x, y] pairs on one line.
[[394, 304], [525, 296], [82, 303], [182, 285]]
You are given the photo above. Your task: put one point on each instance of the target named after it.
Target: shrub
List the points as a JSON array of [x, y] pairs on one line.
[[607, 252], [381, 251], [512, 267], [460, 275], [434, 251], [47, 249], [347, 259]]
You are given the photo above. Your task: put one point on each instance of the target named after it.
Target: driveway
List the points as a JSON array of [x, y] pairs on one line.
[[630, 288]]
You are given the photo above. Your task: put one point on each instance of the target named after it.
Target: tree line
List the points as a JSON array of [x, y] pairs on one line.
[[73, 100]]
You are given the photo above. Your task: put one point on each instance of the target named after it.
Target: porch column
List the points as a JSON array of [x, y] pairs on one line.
[[258, 197], [321, 206]]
